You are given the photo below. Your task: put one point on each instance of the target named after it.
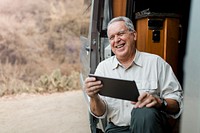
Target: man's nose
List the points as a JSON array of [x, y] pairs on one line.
[[117, 38]]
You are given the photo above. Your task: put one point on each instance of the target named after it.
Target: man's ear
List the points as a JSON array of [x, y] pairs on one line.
[[135, 35]]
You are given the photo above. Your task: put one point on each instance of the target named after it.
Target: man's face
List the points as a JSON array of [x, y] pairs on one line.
[[122, 40]]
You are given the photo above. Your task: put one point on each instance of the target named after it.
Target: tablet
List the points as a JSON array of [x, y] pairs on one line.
[[118, 88]]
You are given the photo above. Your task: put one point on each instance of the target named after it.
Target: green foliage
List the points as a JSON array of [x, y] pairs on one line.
[[56, 82]]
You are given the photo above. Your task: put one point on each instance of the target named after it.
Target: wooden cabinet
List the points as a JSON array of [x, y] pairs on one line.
[[119, 7], [159, 34]]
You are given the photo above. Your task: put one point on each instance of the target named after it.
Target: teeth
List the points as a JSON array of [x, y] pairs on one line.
[[119, 46]]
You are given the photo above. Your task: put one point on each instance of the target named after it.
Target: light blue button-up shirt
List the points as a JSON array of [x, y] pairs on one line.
[[150, 72]]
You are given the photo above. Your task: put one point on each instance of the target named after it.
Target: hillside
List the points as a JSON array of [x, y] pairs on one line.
[[39, 45]]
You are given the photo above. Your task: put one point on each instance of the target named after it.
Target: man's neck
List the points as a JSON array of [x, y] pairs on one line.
[[127, 62]]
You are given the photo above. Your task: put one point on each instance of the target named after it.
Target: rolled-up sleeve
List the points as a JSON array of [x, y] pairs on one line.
[[102, 116], [170, 87]]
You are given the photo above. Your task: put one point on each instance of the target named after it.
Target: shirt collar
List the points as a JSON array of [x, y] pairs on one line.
[[115, 63], [137, 60]]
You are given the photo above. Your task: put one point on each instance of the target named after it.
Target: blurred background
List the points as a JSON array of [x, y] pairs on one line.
[[39, 45]]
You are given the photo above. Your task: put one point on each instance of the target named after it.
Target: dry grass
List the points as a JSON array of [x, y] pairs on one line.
[[39, 38]]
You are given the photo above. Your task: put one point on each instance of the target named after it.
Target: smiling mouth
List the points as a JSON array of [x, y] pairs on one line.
[[119, 46]]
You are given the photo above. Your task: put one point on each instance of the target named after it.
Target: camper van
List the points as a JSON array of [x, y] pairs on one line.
[[168, 28]]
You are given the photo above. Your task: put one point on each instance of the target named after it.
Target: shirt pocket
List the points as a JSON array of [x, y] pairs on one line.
[[148, 86]]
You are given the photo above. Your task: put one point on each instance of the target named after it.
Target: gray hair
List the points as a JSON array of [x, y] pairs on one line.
[[127, 21]]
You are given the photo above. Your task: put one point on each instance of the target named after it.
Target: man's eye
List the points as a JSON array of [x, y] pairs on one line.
[[112, 37], [120, 33]]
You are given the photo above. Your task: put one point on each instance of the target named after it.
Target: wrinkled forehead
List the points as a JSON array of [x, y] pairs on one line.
[[116, 27]]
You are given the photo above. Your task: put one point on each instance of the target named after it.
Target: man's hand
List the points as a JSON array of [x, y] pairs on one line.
[[92, 86], [147, 100]]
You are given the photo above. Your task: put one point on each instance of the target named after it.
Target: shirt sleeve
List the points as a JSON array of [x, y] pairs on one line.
[[99, 72], [170, 86], [102, 116]]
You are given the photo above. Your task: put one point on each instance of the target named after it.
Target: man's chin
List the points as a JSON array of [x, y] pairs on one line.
[[120, 55]]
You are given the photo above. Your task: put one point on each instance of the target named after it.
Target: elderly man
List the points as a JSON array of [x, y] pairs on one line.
[[161, 95]]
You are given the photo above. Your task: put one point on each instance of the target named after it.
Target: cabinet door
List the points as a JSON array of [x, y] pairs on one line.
[[159, 36], [171, 44], [119, 8]]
